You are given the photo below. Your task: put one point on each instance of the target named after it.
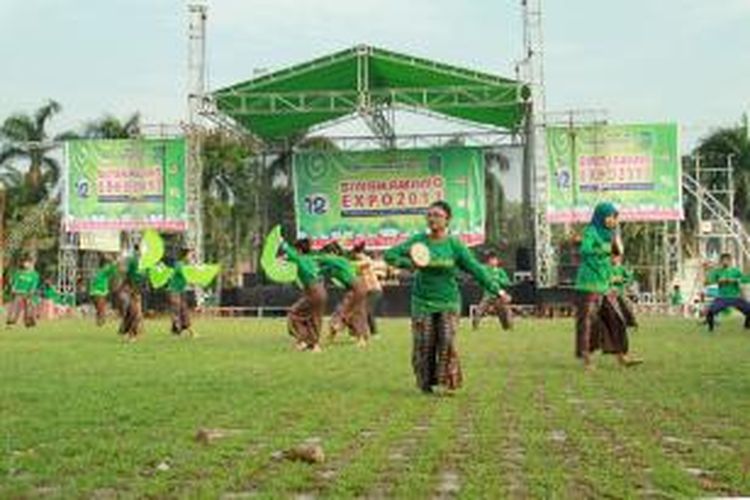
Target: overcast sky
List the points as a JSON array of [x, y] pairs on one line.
[[640, 60]]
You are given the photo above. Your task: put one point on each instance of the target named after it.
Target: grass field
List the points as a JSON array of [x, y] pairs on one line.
[[82, 415]]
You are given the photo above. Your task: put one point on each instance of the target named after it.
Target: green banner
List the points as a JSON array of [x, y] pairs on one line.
[[637, 167], [381, 196], [128, 184]]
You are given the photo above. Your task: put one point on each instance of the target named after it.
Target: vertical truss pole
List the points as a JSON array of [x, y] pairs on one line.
[[533, 75], [194, 235], [739, 257], [67, 258], [672, 246], [702, 242], [197, 15], [67, 265]]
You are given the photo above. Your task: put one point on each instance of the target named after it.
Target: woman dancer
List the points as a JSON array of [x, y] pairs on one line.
[[435, 299], [600, 323]]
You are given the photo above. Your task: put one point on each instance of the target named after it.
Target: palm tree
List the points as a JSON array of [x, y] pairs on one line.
[[26, 140], [111, 127], [27, 227]]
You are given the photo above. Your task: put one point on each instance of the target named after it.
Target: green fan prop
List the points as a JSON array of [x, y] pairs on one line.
[[159, 275], [277, 270], [201, 274], [152, 249]]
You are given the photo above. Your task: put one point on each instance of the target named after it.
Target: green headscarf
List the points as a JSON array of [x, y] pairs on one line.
[[603, 210]]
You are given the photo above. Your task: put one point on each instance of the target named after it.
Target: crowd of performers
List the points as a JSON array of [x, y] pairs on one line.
[[604, 314], [119, 281]]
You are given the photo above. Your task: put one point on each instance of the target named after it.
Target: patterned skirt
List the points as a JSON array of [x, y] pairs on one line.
[[352, 312], [22, 304], [305, 317], [434, 355], [100, 305], [180, 312], [493, 305], [130, 305], [601, 325]]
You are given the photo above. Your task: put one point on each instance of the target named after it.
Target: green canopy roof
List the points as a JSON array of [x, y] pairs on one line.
[[288, 102]]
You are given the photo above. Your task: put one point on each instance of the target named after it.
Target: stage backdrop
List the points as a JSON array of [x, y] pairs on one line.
[[382, 195], [125, 185], [637, 167]]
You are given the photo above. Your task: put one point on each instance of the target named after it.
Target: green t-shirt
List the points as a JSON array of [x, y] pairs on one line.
[[25, 282], [178, 282], [308, 271], [337, 268], [435, 287], [499, 276], [100, 283], [133, 275], [676, 298], [49, 293], [622, 277], [729, 280], [595, 272]]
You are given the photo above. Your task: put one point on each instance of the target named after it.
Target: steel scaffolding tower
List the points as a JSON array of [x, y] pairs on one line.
[[532, 73], [711, 181], [67, 265], [197, 15]]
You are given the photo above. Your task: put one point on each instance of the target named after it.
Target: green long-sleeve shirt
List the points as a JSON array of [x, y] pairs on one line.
[[100, 284], [25, 282], [49, 293], [499, 276], [337, 268], [595, 271], [622, 277], [132, 274], [178, 282], [308, 271], [729, 280], [435, 287]]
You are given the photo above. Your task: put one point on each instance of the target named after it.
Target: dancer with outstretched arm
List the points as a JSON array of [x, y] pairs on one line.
[[436, 258]]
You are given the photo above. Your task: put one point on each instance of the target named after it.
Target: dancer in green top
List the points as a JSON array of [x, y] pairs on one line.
[[599, 321], [305, 317], [729, 279], [177, 289], [351, 312], [436, 258], [130, 297], [677, 301], [24, 286], [101, 285], [494, 304]]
